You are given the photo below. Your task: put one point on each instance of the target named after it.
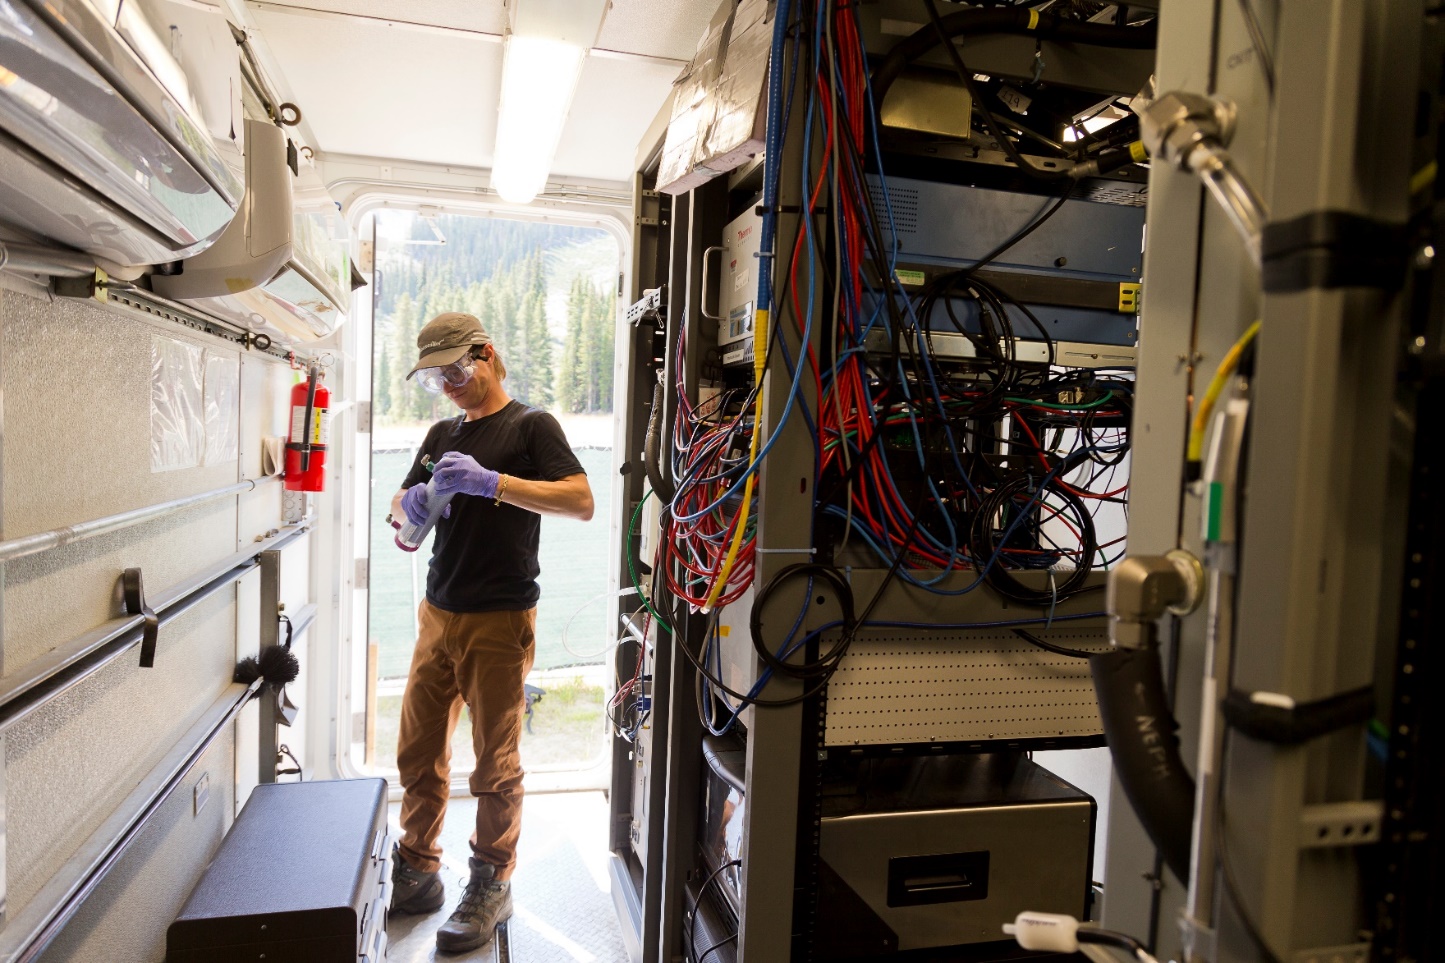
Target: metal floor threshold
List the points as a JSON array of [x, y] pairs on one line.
[[502, 943], [563, 911]]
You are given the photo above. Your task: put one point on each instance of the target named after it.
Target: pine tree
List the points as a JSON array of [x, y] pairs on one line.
[[539, 351], [402, 348], [524, 351], [488, 268], [504, 306], [606, 313], [382, 375], [594, 355], [571, 380]]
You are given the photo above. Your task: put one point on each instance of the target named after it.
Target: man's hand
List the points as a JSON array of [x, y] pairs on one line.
[[461, 473], [413, 502]]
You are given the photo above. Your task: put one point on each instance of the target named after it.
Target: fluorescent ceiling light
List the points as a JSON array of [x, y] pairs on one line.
[[547, 43], [539, 77]]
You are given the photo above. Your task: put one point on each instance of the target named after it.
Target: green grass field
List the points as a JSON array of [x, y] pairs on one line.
[[567, 730]]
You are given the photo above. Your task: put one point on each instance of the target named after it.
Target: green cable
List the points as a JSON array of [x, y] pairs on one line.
[[1042, 404], [632, 562]]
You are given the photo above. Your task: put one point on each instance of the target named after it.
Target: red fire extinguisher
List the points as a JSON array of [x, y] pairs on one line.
[[310, 431]]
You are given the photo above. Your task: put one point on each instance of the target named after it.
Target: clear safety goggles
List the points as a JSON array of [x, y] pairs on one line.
[[455, 374]]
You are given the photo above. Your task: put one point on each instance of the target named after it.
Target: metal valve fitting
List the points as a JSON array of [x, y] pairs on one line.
[[1177, 123], [1144, 587]]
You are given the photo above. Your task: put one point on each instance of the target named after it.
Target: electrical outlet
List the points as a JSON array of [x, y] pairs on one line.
[[202, 793]]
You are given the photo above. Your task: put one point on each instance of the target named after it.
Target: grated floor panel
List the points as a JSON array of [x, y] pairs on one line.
[[561, 895]]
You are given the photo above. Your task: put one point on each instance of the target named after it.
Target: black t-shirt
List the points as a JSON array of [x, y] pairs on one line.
[[485, 555]]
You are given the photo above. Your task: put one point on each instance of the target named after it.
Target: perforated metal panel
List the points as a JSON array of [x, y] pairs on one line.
[[901, 202], [933, 687]]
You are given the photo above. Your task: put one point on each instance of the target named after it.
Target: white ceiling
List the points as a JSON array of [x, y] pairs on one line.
[[660, 28], [487, 16], [615, 102], [420, 81], [389, 91]]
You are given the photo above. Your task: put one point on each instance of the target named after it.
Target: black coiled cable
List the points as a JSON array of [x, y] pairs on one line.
[[824, 665], [983, 543]]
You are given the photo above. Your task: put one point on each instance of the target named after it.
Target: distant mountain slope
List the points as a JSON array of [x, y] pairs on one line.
[[521, 278]]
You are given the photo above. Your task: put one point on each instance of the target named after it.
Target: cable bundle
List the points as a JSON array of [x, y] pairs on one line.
[[630, 706], [710, 533], [995, 464]]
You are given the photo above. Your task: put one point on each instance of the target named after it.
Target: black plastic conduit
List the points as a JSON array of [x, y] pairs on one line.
[[660, 483], [1141, 730]]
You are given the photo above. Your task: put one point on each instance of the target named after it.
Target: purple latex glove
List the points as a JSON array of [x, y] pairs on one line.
[[413, 502], [461, 473]]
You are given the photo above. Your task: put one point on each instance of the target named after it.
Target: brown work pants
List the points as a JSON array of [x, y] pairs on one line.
[[482, 659]]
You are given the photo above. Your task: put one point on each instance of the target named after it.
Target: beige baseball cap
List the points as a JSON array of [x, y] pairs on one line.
[[447, 338]]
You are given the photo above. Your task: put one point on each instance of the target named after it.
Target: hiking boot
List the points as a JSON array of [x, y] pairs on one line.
[[485, 902], [414, 892]]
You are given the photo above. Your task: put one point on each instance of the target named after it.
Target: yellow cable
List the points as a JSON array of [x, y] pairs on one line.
[[760, 354], [1211, 395]]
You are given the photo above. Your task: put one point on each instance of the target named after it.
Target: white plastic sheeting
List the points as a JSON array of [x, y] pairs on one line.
[[194, 405], [222, 394], [178, 428]]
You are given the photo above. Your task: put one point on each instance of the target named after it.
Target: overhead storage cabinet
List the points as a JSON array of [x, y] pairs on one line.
[[95, 153]]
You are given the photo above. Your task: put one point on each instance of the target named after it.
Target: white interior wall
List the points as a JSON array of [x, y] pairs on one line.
[[125, 919], [76, 446], [70, 764]]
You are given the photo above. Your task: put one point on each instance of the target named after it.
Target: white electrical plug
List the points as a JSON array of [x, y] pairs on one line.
[[1045, 931]]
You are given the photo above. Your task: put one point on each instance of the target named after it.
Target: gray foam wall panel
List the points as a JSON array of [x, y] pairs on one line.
[[77, 382], [125, 919], [55, 596], [76, 446], [72, 762]]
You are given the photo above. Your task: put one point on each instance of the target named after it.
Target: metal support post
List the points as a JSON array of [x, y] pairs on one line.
[[785, 513], [270, 635], [1310, 589]]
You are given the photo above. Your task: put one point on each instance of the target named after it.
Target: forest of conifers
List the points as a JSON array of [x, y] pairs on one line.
[[506, 273]]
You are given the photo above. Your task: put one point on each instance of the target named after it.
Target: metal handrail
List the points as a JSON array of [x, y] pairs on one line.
[[26, 935], [42, 679], [56, 537], [29, 259], [31, 930]]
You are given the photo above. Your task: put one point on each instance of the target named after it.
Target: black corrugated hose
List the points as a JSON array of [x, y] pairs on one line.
[[1141, 731], [662, 486]]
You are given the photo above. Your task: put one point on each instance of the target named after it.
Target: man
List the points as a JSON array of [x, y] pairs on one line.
[[506, 464]]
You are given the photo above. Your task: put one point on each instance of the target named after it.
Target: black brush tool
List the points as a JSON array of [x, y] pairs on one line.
[[276, 664]]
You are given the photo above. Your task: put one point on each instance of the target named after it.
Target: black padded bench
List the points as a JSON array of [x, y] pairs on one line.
[[303, 876]]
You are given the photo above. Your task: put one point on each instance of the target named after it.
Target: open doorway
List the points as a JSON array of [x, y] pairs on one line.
[[546, 292]]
